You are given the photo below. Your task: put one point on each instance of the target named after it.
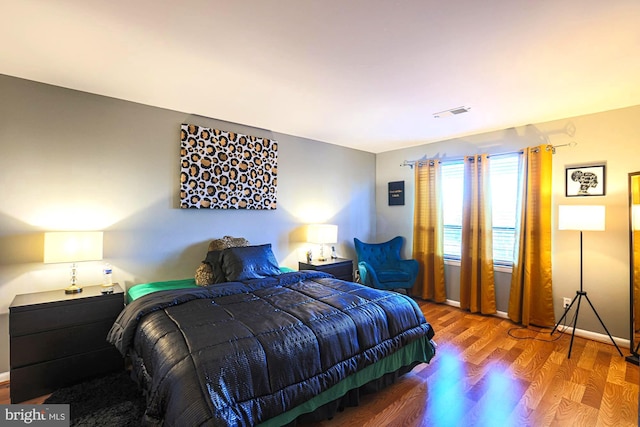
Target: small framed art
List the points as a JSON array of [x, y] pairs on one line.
[[585, 181], [396, 193]]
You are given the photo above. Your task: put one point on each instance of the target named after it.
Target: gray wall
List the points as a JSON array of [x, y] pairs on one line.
[[609, 138], [72, 160]]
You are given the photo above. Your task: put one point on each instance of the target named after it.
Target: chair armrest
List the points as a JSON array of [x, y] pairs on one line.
[[367, 273], [411, 266]]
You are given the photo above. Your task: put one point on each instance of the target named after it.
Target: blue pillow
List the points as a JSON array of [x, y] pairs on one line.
[[213, 259], [249, 262]]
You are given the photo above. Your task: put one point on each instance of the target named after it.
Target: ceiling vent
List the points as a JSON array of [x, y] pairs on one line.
[[451, 112]]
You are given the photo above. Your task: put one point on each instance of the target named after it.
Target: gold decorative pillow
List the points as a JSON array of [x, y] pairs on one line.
[[210, 271], [204, 275], [227, 242]]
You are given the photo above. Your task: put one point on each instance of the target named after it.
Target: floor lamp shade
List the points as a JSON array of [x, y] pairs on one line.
[[581, 217], [635, 217]]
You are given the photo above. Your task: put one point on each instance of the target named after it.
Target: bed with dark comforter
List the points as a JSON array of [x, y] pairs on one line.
[[265, 350]]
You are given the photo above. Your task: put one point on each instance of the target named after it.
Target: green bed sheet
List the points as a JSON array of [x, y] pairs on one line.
[[143, 289], [421, 350]]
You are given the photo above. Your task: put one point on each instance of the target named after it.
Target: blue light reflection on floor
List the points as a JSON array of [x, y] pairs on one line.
[[446, 404], [497, 401], [453, 401]]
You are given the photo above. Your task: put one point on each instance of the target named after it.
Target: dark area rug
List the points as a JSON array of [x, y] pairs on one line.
[[112, 400]]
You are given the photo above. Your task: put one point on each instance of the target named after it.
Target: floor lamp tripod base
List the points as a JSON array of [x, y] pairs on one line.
[[578, 298], [634, 357]]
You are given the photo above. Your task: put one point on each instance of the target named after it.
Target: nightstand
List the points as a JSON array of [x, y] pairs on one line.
[[59, 339], [341, 268]]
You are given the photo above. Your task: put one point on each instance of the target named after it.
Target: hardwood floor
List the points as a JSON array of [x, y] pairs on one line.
[[5, 398], [483, 376]]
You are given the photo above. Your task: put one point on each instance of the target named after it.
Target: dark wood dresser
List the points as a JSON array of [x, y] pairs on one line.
[[341, 268], [59, 339]]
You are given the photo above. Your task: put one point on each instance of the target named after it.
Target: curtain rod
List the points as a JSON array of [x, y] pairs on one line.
[[549, 147]]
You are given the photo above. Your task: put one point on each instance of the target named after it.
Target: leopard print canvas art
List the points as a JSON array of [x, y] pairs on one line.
[[227, 170]]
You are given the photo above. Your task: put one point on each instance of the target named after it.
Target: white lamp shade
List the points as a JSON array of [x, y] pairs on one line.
[[581, 217], [322, 233], [72, 246], [635, 217]]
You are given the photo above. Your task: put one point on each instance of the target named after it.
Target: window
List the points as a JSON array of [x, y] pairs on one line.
[[452, 184], [504, 190]]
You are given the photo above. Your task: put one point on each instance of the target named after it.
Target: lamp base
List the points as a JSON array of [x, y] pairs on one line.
[[578, 297], [73, 289], [322, 257]]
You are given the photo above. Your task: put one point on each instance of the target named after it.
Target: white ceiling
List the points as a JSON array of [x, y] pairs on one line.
[[367, 74]]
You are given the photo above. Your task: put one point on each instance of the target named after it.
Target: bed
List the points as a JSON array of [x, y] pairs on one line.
[[265, 347]]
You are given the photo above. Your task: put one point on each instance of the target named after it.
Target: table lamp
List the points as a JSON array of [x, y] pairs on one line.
[[322, 234], [72, 247]]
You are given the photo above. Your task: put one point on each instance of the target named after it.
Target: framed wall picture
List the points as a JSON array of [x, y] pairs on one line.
[[585, 181], [226, 170], [396, 193]]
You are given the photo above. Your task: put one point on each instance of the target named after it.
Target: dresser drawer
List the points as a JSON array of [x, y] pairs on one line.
[[56, 316], [58, 339], [342, 271], [42, 378], [341, 268], [58, 343]]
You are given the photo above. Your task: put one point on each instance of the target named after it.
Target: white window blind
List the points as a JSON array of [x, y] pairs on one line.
[[504, 190], [452, 185]]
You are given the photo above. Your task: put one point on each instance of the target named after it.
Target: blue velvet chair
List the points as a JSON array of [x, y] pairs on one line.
[[381, 267]]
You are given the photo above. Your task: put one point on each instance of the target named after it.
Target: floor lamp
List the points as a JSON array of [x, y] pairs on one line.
[[581, 218]]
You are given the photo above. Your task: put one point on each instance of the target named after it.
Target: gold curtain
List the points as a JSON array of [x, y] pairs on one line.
[[531, 296], [477, 286], [428, 233]]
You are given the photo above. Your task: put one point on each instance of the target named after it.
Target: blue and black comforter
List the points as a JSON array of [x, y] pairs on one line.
[[241, 353]]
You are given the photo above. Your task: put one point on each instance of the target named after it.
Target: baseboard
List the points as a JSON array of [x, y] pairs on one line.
[[595, 336], [566, 329], [452, 303], [4, 377]]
